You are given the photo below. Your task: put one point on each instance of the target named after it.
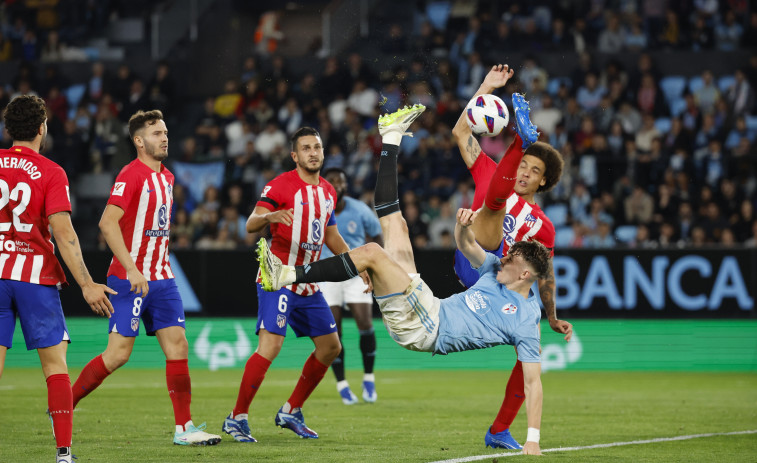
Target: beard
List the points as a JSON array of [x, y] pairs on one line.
[[156, 153], [312, 170]]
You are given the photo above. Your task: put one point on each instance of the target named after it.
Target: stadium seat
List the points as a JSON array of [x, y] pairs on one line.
[[725, 82], [438, 14], [751, 124], [677, 107], [663, 124], [625, 233], [695, 83], [554, 84], [563, 237], [673, 87], [74, 94], [557, 213]]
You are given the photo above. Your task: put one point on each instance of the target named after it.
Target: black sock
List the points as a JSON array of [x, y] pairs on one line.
[[337, 268], [386, 199], [368, 349], [338, 364]]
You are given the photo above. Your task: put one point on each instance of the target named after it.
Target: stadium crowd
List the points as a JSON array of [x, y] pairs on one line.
[[651, 160]]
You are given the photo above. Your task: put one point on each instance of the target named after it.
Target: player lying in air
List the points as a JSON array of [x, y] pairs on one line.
[[496, 310]]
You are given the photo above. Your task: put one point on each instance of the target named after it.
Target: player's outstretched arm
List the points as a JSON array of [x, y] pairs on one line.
[[534, 398], [70, 251], [547, 295], [466, 142], [261, 217], [115, 239], [466, 239]]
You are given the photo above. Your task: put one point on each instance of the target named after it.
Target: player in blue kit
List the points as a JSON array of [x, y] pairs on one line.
[[357, 224], [496, 310]]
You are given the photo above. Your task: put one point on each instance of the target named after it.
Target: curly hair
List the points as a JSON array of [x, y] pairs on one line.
[[141, 119], [553, 163], [23, 116], [535, 254]]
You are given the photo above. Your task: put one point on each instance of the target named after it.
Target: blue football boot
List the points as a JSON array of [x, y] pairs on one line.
[[501, 440], [296, 423], [523, 125]]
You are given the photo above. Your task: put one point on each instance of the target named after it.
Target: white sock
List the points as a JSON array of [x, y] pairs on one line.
[[288, 275], [286, 408], [392, 138], [369, 377], [180, 428], [341, 385], [241, 416]]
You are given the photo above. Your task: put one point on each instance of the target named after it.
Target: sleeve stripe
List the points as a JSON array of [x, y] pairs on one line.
[[269, 201]]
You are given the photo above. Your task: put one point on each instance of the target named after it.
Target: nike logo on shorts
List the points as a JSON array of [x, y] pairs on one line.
[[181, 320], [333, 325]]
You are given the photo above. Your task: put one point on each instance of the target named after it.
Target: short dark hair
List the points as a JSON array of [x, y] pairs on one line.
[[23, 116], [303, 132], [553, 163], [334, 170], [141, 119], [535, 255]]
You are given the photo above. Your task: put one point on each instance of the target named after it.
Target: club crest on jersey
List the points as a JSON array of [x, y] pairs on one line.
[[509, 223], [530, 220], [135, 324], [163, 216], [316, 227], [509, 309], [170, 190], [118, 189], [281, 320], [477, 302], [328, 204]]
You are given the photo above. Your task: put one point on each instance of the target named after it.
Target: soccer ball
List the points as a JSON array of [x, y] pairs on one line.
[[487, 115]]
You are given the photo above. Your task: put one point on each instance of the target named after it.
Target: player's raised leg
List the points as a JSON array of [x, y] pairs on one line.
[[488, 226], [396, 238]]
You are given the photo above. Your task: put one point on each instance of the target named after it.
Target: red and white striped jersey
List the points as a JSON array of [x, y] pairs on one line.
[[32, 188], [146, 198], [313, 205]]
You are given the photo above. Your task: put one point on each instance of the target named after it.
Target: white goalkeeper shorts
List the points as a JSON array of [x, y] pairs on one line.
[[412, 317], [339, 293]]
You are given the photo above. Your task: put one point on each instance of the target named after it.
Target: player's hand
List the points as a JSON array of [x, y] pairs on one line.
[[367, 281], [498, 76], [562, 327], [466, 217], [138, 282], [285, 216], [531, 448], [96, 297]]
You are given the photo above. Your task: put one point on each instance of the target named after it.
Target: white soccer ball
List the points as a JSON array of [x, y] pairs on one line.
[[487, 115]]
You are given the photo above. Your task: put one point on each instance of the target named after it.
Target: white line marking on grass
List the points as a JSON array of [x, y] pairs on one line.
[[599, 446]]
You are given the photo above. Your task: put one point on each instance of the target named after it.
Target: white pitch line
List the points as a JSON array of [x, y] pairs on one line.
[[598, 446]]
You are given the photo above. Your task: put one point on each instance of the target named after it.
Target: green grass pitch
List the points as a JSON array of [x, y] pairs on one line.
[[421, 416]]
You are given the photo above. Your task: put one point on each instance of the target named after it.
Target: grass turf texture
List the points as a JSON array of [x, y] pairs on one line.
[[419, 417]]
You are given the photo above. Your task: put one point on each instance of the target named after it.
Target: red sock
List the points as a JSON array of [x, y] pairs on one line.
[[90, 378], [179, 389], [312, 374], [515, 394], [254, 372], [504, 176], [59, 402], [482, 172]]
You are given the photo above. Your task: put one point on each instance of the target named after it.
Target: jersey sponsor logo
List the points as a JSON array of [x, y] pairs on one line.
[[316, 226], [281, 320], [510, 240], [352, 226], [477, 302], [157, 233], [509, 309], [163, 216], [508, 225], [134, 324], [9, 245], [118, 189], [311, 246]]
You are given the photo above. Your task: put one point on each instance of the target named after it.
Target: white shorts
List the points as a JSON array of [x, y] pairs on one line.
[[339, 293], [412, 317]]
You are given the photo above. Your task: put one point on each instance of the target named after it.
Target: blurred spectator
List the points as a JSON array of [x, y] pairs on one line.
[[671, 35], [137, 100], [728, 33], [636, 38], [363, 99], [270, 139], [267, 33], [395, 41], [590, 93], [225, 105], [639, 207], [612, 38], [602, 238], [740, 96], [6, 48], [701, 36], [708, 94]]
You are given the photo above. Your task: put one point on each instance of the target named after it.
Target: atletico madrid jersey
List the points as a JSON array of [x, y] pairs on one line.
[[146, 198], [32, 188], [313, 205]]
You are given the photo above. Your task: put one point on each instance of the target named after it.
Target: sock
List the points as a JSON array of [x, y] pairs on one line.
[[89, 379], [179, 389], [504, 176], [254, 373], [60, 404], [386, 199], [515, 395], [336, 268], [337, 366], [482, 172], [368, 349], [312, 374]]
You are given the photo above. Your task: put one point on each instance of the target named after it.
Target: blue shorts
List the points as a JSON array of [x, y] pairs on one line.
[[307, 315], [160, 309], [38, 307], [467, 275]]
